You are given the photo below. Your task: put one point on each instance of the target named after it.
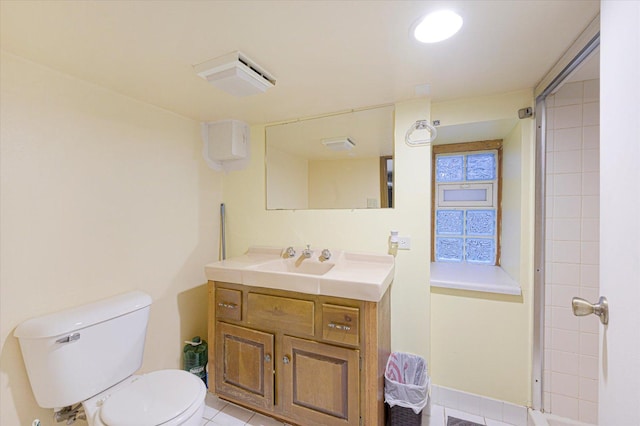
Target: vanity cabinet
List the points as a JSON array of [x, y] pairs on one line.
[[305, 359]]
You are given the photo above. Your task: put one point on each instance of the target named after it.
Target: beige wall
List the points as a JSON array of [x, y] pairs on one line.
[[482, 343], [100, 195], [288, 177], [349, 182]]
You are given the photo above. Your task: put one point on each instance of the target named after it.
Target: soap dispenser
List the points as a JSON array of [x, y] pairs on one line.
[[393, 243]]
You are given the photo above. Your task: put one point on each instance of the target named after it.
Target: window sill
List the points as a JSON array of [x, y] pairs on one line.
[[464, 276]]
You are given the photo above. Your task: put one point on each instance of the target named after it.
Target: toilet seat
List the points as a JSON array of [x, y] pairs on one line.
[[155, 398]]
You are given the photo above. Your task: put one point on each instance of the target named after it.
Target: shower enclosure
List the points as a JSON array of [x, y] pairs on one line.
[[567, 242]]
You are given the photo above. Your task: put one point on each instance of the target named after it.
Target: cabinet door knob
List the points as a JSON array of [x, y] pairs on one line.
[[285, 359], [267, 358]]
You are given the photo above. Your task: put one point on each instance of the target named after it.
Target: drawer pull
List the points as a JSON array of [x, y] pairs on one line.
[[227, 305], [338, 326]]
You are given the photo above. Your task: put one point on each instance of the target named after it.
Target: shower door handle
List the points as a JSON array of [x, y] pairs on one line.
[[582, 307]]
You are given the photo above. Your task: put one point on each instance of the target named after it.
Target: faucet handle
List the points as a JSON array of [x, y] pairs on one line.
[[326, 254], [290, 252]]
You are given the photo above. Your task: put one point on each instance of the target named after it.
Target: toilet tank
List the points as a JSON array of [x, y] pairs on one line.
[[77, 353]]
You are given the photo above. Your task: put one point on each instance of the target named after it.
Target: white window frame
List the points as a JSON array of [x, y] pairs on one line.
[[489, 188]]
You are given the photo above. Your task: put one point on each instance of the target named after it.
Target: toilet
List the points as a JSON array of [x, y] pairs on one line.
[[81, 361]]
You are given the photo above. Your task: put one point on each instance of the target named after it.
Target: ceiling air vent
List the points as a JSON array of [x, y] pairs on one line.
[[339, 144], [235, 74]]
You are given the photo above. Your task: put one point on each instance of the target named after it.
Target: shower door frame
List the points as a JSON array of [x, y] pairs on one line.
[[540, 218]]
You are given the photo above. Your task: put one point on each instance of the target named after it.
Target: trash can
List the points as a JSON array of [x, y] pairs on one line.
[[406, 389]]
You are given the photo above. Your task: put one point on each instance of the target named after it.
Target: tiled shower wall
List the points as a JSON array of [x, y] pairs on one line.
[[570, 379]]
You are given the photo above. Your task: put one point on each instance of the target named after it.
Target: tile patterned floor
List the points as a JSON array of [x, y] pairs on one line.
[[439, 416], [221, 413]]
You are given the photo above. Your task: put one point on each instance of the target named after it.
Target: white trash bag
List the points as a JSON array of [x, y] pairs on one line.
[[406, 382]]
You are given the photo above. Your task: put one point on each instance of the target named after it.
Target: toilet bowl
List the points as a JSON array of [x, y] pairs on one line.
[[87, 356], [163, 397]]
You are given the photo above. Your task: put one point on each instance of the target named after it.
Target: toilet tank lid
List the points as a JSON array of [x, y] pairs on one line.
[[83, 316]]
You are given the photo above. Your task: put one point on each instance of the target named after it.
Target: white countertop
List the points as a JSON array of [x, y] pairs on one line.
[[360, 276]]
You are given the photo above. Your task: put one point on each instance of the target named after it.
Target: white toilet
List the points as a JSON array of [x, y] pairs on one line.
[[81, 362]]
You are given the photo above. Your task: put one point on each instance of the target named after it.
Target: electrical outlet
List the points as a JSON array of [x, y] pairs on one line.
[[372, 203], [404, 243]]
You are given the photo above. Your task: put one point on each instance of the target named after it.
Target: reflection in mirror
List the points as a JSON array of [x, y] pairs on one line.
[[386, 181], [340, 161]]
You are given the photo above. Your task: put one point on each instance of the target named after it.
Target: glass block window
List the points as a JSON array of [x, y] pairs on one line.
[[450, 222], [449, 249], [450, 168], [481, 166], [480, 250], [481, 222], [466, 211]]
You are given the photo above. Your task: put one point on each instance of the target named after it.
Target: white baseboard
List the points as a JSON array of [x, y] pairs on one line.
[[489, 408]]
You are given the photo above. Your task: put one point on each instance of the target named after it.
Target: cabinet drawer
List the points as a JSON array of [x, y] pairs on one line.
[[340, 324], [229, 304], [281, 313]]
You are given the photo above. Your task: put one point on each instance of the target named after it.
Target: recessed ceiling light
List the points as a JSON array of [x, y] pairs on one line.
[[437, 26]]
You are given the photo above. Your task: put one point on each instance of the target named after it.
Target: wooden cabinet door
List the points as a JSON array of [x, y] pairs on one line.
[[244, 364], [320, 382]]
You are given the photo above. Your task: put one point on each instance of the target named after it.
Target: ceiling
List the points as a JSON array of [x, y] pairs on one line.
[[326, 56]]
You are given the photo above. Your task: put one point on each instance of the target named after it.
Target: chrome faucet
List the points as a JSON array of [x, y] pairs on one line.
[[326, 255], [289, 252], [306, 253]]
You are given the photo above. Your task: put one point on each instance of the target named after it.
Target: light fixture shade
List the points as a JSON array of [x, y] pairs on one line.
[[437, 26], [235, 74], [339, 144]]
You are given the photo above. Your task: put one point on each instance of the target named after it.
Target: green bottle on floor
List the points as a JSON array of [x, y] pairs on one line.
[[196, 357]]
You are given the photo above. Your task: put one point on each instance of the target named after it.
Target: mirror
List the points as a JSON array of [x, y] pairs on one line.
[[340, 161]]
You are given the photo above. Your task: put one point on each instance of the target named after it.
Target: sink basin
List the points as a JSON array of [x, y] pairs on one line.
[[297, 266], [293, 274]]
